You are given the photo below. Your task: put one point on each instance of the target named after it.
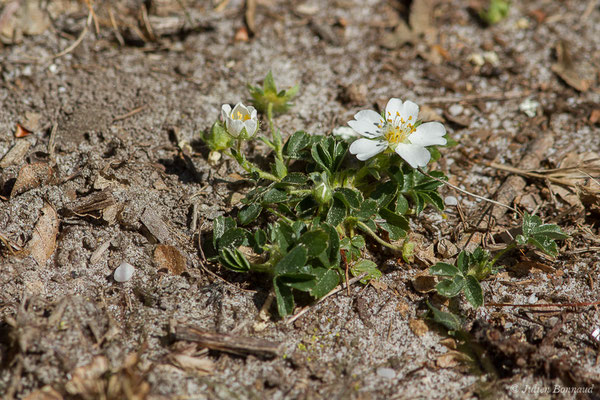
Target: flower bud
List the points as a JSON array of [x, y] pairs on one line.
[[322, 193]]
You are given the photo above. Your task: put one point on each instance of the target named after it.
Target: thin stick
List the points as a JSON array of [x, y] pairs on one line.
[[76, 42], [563, 305], [113, 22], [339, 288], [529, 174], [130, 113], [469, 193]]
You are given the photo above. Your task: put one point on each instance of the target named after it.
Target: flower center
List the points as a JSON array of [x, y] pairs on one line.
[[396, 129], [240, 116]]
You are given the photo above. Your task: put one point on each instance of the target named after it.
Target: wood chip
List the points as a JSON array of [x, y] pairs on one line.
[[234, 344], [16, 154], [43, 241], [156, 225], [93, 204], [579, 76], [514, 185]]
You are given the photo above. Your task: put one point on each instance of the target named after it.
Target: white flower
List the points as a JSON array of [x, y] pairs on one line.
[[397, 132], [241, 122]]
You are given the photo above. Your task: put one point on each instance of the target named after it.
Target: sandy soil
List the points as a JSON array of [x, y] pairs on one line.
[[109, 108]]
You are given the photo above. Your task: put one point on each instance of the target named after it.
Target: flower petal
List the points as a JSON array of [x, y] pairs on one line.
[[235, 127], [393, 108], [225, 111], [239, 108], [366, 128], [252, 112], [251, 127], [366, 148], [370, 116], [414, 154], [428, 134], [409, 112]]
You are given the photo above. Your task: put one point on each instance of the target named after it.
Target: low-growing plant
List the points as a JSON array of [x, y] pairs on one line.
[[471, 268], [306, 221]]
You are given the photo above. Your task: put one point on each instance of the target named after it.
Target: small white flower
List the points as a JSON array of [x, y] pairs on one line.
[[397, 132], [241, 122]]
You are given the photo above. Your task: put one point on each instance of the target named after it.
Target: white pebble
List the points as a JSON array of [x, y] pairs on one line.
[[124, 272], [451, 201], [53, 68], [529, 107], [456, 109], [386, 373], [533, 299]]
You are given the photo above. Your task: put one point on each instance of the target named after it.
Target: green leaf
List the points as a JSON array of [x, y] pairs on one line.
[[351, 198], [275, 195], [326, 281], [234, 237], [336, 213], [295, 178], [284, 297], [448, 320], [322, 157], [367, 266], [443, 269], [358, 241], [540, 235], [401, 205], [333, 249], [473, 291], [299, 141], [269, 84], [292, 262], [462, 262], [394, 219], [249, 213], [280, 168], [303, 282], [384, 193], [368, 208], [234, 260], [220, 226], [451, 287], [315, 241]]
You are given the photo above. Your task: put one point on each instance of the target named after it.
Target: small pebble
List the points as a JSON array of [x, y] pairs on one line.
[[124, 272], [533, 299], [455, 109], [529, 107], [53, 68], [386, 373], [451, 201]]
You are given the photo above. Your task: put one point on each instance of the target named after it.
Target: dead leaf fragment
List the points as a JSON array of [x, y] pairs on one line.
[[418, 327], [31, 121], [424, 283], [21, 131], [169, 258], [201, 365], [45, 393], [579, 76], [31, 176], [595, 116], [451, 359], [43, 240]]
